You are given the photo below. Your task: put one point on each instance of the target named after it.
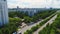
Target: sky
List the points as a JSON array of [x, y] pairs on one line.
[[33, 3]]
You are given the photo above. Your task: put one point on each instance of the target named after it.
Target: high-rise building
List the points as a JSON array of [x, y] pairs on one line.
[[3, 12]]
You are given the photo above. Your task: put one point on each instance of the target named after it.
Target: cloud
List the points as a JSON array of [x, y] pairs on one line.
[[33, 3]]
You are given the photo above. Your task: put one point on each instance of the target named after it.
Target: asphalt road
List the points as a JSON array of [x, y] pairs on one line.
[[27, 27], [50, 22]]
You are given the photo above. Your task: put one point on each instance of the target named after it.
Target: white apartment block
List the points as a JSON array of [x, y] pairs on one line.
[[3, 12]]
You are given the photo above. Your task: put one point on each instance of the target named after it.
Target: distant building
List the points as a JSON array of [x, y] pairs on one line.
[[30, 11], [3, 12]]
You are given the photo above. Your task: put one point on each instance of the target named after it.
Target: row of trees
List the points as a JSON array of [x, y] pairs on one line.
[[53, 28], [15, 21], [37, 17], [44, 14], [34, 28], [17, 14], [27, 19], [11, 26]]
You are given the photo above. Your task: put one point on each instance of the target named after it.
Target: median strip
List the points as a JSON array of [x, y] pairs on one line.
[[34, 28]]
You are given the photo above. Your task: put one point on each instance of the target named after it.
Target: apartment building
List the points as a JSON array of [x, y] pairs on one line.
[[3, 12]]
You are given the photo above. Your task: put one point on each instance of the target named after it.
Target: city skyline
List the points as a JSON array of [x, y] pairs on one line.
[[33, 3]]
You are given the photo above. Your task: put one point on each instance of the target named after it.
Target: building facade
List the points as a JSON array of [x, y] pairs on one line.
[[3, 12]]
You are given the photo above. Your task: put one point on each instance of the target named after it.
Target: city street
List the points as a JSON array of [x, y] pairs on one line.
[[29, 16], [50, 22], [27, 27]]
